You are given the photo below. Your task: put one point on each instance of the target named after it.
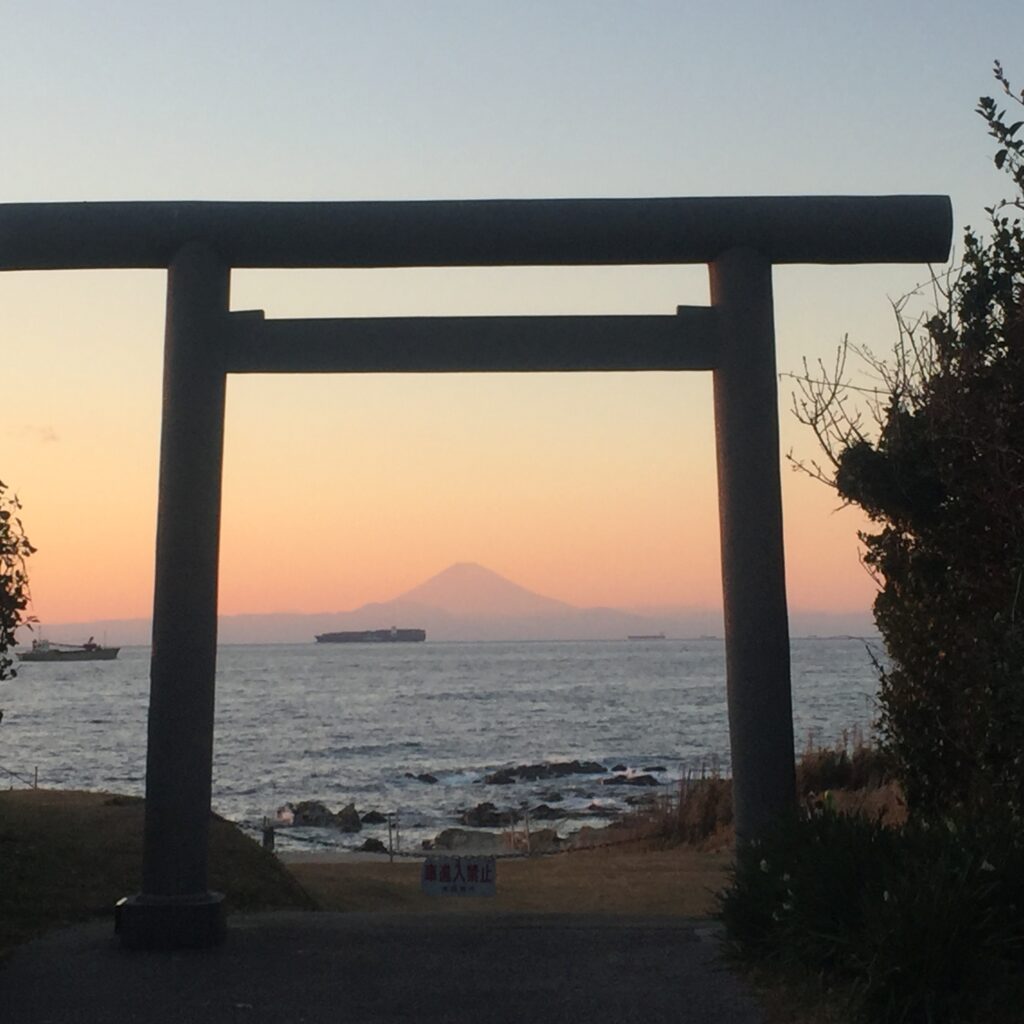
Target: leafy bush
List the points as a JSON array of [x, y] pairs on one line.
[[920, 923], [14, 596], [937, 463]]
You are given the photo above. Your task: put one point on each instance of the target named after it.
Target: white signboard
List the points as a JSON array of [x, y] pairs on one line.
[[459, 876]]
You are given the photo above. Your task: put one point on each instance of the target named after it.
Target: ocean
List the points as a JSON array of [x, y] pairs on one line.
[[351, 723]]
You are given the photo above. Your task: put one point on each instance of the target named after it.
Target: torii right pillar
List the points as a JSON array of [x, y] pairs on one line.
[[753, 566]]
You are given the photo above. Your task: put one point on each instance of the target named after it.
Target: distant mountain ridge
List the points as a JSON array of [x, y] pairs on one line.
[[467, 601], [473, 591]]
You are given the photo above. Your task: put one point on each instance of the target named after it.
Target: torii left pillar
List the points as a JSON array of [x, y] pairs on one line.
[[175, 908]]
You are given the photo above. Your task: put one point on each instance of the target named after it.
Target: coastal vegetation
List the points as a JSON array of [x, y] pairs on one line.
[[936, 462], [69, 856], [853, 775], [15, 549], [922, 919]]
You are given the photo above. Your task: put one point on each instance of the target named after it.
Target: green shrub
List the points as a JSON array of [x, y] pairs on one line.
[[936, 462], [15, 549], [798, 894], [936, 944], [920, 923]]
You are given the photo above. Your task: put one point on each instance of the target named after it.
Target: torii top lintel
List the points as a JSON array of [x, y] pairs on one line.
[[491, 232]]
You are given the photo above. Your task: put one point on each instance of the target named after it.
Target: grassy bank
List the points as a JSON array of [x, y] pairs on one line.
[[68, 856]]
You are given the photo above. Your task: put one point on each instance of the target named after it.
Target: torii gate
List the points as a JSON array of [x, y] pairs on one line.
[[199, 242]]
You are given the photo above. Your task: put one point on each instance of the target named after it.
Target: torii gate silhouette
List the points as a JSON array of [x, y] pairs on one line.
[[199, 242]]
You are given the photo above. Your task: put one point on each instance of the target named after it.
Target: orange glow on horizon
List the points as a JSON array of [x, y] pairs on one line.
[[595, 489]]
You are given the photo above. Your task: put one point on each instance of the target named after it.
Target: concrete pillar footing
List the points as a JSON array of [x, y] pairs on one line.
[[168, 922]]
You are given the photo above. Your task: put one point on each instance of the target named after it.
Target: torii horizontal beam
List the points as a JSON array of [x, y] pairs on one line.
[[482, 233], [477, 344]]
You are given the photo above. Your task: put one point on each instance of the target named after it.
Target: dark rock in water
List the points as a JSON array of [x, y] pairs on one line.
[[533, 772], [461, 839], [422, 777], [371, 845], [643, 780], [642, 799], [502, 777], [618, 768], [347, 819], [656, 768], [604, 811], [630, 780], [374, 818], [313, 814], [544, 813], [486, 815]]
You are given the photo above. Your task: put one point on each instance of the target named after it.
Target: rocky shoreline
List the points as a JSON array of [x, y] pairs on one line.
[[518, 821]]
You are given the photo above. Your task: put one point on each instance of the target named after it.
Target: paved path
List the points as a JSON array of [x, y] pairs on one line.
[[308, 968]]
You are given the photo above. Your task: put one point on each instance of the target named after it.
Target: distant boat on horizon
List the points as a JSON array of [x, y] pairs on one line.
[[394, 635], [48, 650], [646, 636]]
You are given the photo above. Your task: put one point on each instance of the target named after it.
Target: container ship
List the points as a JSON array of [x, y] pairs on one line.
[[374, 636]]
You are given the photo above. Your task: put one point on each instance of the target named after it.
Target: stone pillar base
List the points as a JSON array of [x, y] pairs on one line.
[[167, 922]]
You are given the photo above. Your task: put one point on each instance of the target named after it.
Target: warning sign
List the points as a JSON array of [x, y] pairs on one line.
[[459, 876]]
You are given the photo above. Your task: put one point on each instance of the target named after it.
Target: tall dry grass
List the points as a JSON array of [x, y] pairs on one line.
[[852, 774]]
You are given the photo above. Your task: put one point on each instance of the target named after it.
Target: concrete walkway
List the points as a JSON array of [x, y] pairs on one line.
[[308, 968]]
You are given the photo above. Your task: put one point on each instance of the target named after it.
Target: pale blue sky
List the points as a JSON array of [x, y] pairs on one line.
[[256, 100], [438, 99]]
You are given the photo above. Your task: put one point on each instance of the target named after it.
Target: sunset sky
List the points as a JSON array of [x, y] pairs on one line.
[[595, 489]]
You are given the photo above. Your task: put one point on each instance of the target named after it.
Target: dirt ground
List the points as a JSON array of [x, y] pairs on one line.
[[625, 880]]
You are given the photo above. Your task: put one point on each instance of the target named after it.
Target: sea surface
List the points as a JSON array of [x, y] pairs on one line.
[[345, 723]]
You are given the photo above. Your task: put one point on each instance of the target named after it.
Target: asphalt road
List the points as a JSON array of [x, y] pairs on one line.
[[308, 968]]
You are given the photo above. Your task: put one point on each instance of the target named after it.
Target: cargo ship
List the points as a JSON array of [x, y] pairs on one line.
[[48, 650], [374, 636]]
